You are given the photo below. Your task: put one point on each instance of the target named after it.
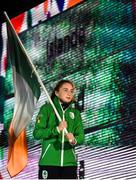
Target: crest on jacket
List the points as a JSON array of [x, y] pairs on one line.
[[71, 114], [38, 118]]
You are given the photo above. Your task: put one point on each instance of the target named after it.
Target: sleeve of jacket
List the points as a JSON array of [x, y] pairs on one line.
[[41, 131], [79, 130]]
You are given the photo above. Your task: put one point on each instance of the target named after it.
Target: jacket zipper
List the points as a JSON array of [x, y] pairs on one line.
[[62, 145], [63, 133]]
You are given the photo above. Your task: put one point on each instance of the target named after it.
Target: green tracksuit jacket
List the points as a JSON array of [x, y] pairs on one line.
[[57, 151]]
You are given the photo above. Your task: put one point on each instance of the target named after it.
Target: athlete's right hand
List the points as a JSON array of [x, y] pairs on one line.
[[62, 125]]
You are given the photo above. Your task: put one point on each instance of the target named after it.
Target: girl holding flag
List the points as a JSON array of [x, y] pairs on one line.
[[58, 159]]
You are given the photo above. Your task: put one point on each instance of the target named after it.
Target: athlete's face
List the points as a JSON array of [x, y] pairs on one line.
[[65, 92]]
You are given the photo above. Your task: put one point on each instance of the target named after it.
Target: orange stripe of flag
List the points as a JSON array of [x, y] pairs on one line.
[[17, 154]]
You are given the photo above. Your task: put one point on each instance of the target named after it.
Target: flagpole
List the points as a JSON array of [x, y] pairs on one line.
[[36, 73]]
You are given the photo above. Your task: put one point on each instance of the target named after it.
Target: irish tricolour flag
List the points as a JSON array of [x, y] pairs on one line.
[[27, 92]]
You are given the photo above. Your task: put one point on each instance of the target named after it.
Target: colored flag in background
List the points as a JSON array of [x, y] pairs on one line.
[[27, 92]]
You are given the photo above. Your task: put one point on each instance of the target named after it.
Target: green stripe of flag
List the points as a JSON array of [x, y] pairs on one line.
[[21, 63]]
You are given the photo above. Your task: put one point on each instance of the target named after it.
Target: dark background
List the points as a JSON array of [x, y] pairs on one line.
[[15, 7]]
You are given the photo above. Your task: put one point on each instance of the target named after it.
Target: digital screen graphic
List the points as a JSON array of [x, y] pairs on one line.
[[93, 44]]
